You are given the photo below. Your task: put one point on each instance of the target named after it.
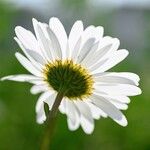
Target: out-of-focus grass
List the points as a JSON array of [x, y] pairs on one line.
[[19, 130]]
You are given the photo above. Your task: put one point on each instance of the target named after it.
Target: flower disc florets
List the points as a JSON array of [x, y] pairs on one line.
[[69, 78]]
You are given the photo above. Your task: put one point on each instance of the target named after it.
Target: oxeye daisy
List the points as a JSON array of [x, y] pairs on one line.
[[71, 73]]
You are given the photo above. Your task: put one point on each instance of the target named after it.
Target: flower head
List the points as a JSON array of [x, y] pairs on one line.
[[75, 65]]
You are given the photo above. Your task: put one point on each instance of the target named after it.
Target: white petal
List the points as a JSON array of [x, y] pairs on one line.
[[71, 125], [42, 99], [119, 89], [70, 110], [99, 31], [117, 98], [105, 41], [60, 32], [89, 32], [42, 82], [73, 115], [122, 99], [99, 55], [98, 65], [36, 59], [44, 42], [62, 106], [128, 75], [75, 34], [108, 78], [94, 110], [119, 101], [87, 58], [68, 52], [50, 101], [85, 49], [30, 52], [110, 109], [21, 78], [87, 126], [76, 50], [49, 98], [92, 32], [84, 110], [119, 105], [86, 118], [40, 106], [35, 89], [27, 39], [27, 64], [57, 52], [113, 60]]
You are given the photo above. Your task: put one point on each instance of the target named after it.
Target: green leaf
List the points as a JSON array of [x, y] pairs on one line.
[[46, 109]]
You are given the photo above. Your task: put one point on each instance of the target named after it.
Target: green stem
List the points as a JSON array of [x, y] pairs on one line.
[[50, 123]]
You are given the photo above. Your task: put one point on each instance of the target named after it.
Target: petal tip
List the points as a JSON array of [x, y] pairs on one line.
[[17, 54], [89, 131], [34, 21], [140, 92], [17, 29], [3, 79], [53, 19], [123, 122]]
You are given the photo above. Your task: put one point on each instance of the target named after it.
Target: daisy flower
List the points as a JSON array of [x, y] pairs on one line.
[[76, 67]]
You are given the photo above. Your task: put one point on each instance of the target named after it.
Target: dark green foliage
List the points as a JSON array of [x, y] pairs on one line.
[[46, 109]]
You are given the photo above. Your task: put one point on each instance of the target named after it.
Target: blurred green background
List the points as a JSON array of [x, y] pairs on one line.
[[127, 20]]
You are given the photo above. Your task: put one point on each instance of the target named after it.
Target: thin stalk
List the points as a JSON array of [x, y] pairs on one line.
[[50, 123]]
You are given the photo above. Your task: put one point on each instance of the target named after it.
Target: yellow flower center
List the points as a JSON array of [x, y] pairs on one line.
[[73, 80]]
